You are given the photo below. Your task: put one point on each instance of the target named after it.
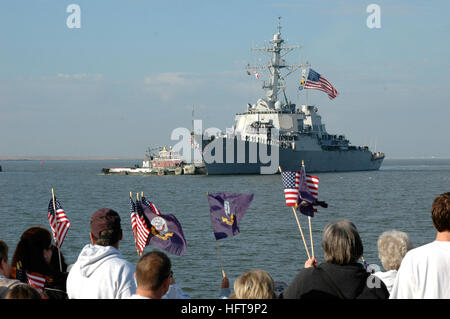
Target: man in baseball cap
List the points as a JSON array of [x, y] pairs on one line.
[[100, 271], [105, 228]]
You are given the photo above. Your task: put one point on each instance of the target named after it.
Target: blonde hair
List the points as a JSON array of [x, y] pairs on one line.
[[392, 247], [254, 284]]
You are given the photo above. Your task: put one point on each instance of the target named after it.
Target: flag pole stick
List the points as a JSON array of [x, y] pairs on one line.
[[301, 232], [54, 209], [309, 221], [310, 236], [299, 226], [220, 256]]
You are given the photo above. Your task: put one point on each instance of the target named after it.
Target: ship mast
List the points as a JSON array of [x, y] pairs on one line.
[[276, 52]]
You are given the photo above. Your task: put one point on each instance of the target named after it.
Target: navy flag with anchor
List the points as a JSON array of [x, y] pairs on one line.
[[165, 229], [227, 210]]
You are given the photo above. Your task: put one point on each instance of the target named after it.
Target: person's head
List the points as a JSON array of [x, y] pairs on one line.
[[23, 291], [392, 247], [440, 212], [4, 265], [153, 273], [341, 243], [34, 250], [254, 284], [105, 227]]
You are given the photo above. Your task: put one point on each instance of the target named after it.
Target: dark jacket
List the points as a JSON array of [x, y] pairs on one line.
[[343, 282]]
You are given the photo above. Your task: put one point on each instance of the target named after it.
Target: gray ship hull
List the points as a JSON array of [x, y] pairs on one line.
[[353, 159]]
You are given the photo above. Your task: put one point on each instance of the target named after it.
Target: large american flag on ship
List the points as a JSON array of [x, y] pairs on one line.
[[59, 223], [318, 82], [139, 226], [290, 182]]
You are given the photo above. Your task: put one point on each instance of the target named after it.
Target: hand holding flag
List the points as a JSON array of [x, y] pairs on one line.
[[307, 199], [291, 182], [226, 211]]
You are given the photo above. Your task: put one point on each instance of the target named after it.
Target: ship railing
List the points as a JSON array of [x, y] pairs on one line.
[[284, 141], [255, 139]]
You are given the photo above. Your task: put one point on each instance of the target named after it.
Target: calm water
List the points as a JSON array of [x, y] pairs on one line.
[[398, 196]]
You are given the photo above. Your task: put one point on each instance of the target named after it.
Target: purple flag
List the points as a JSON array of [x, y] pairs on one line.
[[227, 210], [165, 232], [308, 194]]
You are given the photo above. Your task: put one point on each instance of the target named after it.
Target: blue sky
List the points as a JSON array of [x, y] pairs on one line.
[[133, 71]]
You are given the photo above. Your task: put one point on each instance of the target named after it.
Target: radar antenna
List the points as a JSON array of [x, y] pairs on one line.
[[276, 63]]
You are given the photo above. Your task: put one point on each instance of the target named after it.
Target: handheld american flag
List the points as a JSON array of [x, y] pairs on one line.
[[139, 226], [59, 223], [318, 82], [20, 273], [36, 281], [32, 279], [290, 182]]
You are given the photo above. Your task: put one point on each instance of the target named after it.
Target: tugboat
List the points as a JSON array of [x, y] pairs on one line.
[[301, 135], [166, 162]]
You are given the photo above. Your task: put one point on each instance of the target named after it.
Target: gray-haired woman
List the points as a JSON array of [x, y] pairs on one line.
[[341, 275], [392, 247]]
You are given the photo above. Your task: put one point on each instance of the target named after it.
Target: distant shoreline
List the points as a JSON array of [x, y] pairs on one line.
[[118, 158], [68, 158]]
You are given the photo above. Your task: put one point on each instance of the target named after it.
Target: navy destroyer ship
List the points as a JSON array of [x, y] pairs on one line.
[[275, 133]]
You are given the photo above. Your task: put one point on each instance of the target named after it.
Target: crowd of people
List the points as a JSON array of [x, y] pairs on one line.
[[101, 272]]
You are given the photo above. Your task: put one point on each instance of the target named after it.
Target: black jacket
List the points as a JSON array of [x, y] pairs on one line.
[[332, 281]]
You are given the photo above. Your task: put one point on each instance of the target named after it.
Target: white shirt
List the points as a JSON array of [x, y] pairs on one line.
[[137, 297], [101, 273], [388, 277], [424, 273], [175, 292]]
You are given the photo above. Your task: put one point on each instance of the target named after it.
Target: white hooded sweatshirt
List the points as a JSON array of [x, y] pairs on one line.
[[101, 272]]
